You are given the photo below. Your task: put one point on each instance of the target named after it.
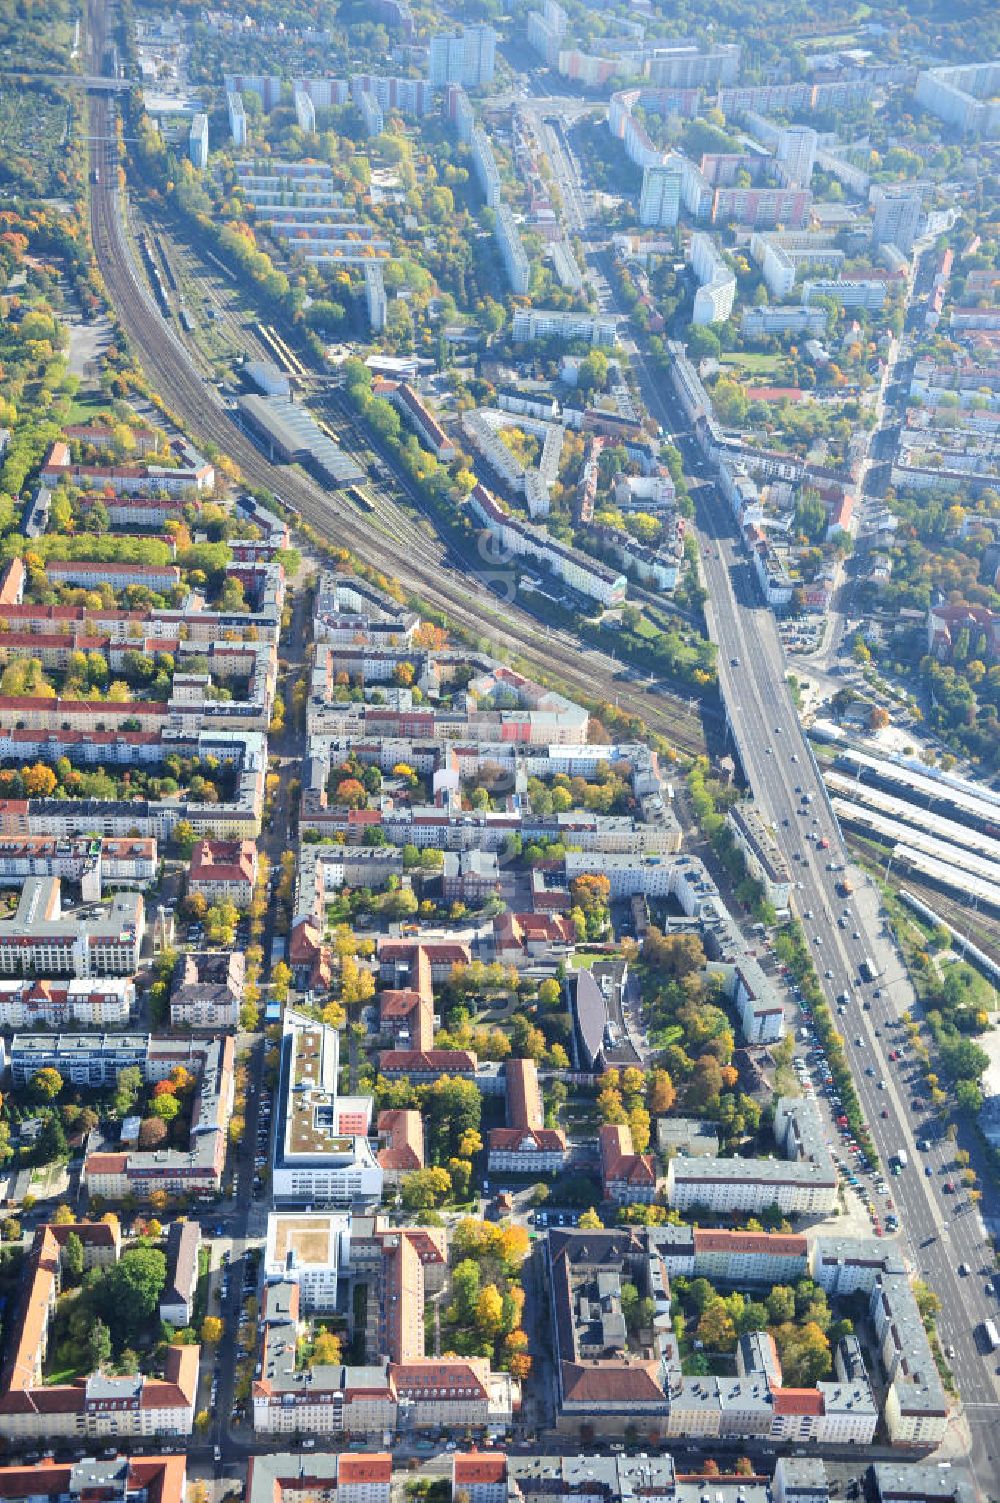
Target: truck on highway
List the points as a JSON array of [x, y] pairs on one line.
[[867, 969], [845, 887], [902, 1158], [992, 1334]]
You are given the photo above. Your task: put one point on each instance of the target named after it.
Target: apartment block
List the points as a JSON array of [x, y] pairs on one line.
[[713, 301], [660, 200], [42, 939], [375, 298], [803, 1182], [512, 253], [525, 1145], [549, 323], [198, 142], [466, 57], [322, 1152]]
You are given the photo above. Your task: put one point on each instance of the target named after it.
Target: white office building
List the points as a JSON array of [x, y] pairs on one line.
[[897, 216], [551, 323]]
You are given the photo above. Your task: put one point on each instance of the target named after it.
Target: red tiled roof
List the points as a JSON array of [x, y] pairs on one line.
[[797, 1400], [372, 1466], [479, 1466]]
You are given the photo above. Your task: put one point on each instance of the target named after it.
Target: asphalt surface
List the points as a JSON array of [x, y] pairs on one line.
[[939, 1232]]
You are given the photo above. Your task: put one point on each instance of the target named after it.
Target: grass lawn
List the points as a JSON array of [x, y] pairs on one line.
[[646, 629], [753, 364], [85, 407]]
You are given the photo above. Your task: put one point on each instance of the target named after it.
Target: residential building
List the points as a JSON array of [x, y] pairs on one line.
[[660, 200], [198, 142], [207, 989], [898, 213], [307, 1477], [375, 299], [305, 112], [548, 323], [78, 1002], [222, 870], [372, 114], [465, 57], [98, 1406], [401, 1132], [512, 252], [525, 1145], [237, 118], [195, 1170], [762, 208], [713, 302], [89, 861], [761, 854], [761, 323], [796, 151], [41, 939], [847, 292], [964, 96], [803, 1182], [159, 1479], [626, 1176], [546, 30], [485, 164], [183, 1248], [322, 1152], [419, 416]]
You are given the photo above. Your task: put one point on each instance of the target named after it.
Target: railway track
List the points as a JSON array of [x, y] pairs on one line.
[[391, 541]]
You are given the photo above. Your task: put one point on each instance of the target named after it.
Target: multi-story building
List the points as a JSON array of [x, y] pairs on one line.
[[713, 302], [159, 1478], [898, 212], [682, 66], [578, 570], [99, 1406], [43, 940], [512, 253], [847, 292], [466, 57], [222, 870], [81, 1003], [89, 861], [195, 1170], [375, 299], [794, 318], [237, 118], [207, 989], [353, 1477], [546, 30], [803, 1182], [796, 151], [198, 142], [626, 1176], [485, 165], [322, 1152], [177, 1296], [312, 1250], [762, 208], [305, 112], [549, 323], [964, 96], [761, 854], [525, 1145], [660, 200], [372, 114], [419, 416]]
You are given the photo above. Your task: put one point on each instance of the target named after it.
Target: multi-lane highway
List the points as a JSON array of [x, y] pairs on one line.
[[942, 1232]]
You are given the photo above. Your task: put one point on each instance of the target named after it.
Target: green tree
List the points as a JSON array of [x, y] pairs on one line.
[[98, 1346], [127, 1088], [46, 1084], [72, 1260], [130, 1291]]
